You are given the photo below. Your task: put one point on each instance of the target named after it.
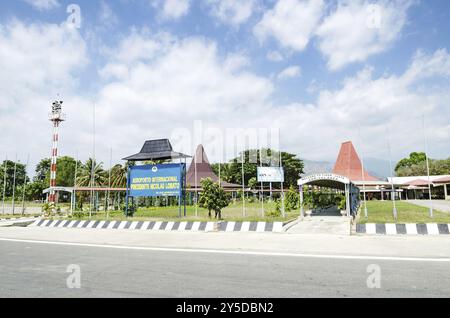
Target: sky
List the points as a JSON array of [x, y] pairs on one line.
[[305, 74]]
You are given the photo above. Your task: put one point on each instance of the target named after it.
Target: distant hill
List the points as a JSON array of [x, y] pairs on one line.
[[313, 167]]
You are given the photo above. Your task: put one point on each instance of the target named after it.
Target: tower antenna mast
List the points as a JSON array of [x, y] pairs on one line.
[[56, 117]]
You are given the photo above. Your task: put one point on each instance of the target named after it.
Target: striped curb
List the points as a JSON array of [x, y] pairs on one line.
[[403, 229], [166, 226]]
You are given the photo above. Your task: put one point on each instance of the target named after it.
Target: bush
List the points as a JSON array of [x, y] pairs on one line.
[[277, 211]]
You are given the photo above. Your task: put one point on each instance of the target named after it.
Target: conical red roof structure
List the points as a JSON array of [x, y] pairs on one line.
[[201, 165], [349, 165]]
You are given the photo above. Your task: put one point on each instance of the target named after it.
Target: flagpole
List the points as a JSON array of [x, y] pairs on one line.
[[14, 185], [109, 183], [394, 210], [4, 184], [283, 212], [25, 182], [262, 185], [220, 180], [428, 166], [74, 193], [363, 174], [243, 183], [92, 162], [196, 186]]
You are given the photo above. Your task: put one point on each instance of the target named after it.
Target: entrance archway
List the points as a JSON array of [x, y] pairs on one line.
[[332, 181]]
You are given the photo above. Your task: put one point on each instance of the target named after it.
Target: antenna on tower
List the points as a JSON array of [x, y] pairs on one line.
[[56, 117]]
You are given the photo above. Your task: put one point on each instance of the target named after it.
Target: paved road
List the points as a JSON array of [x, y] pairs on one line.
[[440, 205], [39, 270]]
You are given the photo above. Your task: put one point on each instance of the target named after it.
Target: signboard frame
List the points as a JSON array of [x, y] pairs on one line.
[[150, 171], [272, 177]]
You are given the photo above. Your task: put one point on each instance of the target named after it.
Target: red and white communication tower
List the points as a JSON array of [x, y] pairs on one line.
[[56, 117]]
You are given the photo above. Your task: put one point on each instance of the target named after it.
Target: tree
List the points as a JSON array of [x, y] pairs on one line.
[[20, 176], [65, 175], [232, 172], [91, 171], [292, 199], [34, 190], [252, 183], [42, 170], [414, 158], [119, 176], [437, 167], [213, 198]]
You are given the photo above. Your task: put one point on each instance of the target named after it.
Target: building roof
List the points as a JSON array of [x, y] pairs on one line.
[[442, 180], [417, 183], [349, 165], [434, 179], [200, 165], [159, 149]]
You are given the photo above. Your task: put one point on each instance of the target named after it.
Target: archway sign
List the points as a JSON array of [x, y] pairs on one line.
[[153, 180], [333, 181]]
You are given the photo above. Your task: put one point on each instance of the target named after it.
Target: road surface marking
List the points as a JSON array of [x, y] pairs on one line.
[[211, 251]]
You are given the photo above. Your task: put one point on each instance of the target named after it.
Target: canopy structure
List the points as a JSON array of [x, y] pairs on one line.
[[160, 149], [200, 168], [333, 181]]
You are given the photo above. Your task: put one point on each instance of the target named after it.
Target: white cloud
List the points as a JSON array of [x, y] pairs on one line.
[[107, 16], [291, 22], [275, 56], [290, 72], [43, 5], [357, 29], [396, 103], [233, 12], [172, 9], [38, 61], [168, 82]]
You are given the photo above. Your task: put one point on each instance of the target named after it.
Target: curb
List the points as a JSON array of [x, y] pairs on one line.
[[19, 218], [403, 229], [276, 227]]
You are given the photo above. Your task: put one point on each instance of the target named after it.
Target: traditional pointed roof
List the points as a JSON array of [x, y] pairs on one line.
[[349, 165], [200, 165], [159, 149]]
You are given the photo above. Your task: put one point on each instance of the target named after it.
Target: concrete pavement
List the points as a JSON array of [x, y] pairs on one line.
[[39, 270], [441, 205], [120, 263]]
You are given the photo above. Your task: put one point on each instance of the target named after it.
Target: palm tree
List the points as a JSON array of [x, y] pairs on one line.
[[119, 176], [92, 174]]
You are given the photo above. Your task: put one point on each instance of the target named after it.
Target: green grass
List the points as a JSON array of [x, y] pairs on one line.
[[231, 213], [381, 212]]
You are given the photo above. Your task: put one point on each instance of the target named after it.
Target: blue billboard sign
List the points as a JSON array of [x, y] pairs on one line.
[[155, 180]]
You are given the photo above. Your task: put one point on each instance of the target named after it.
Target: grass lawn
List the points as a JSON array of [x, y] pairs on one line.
[[381, 212], [231, 213]]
